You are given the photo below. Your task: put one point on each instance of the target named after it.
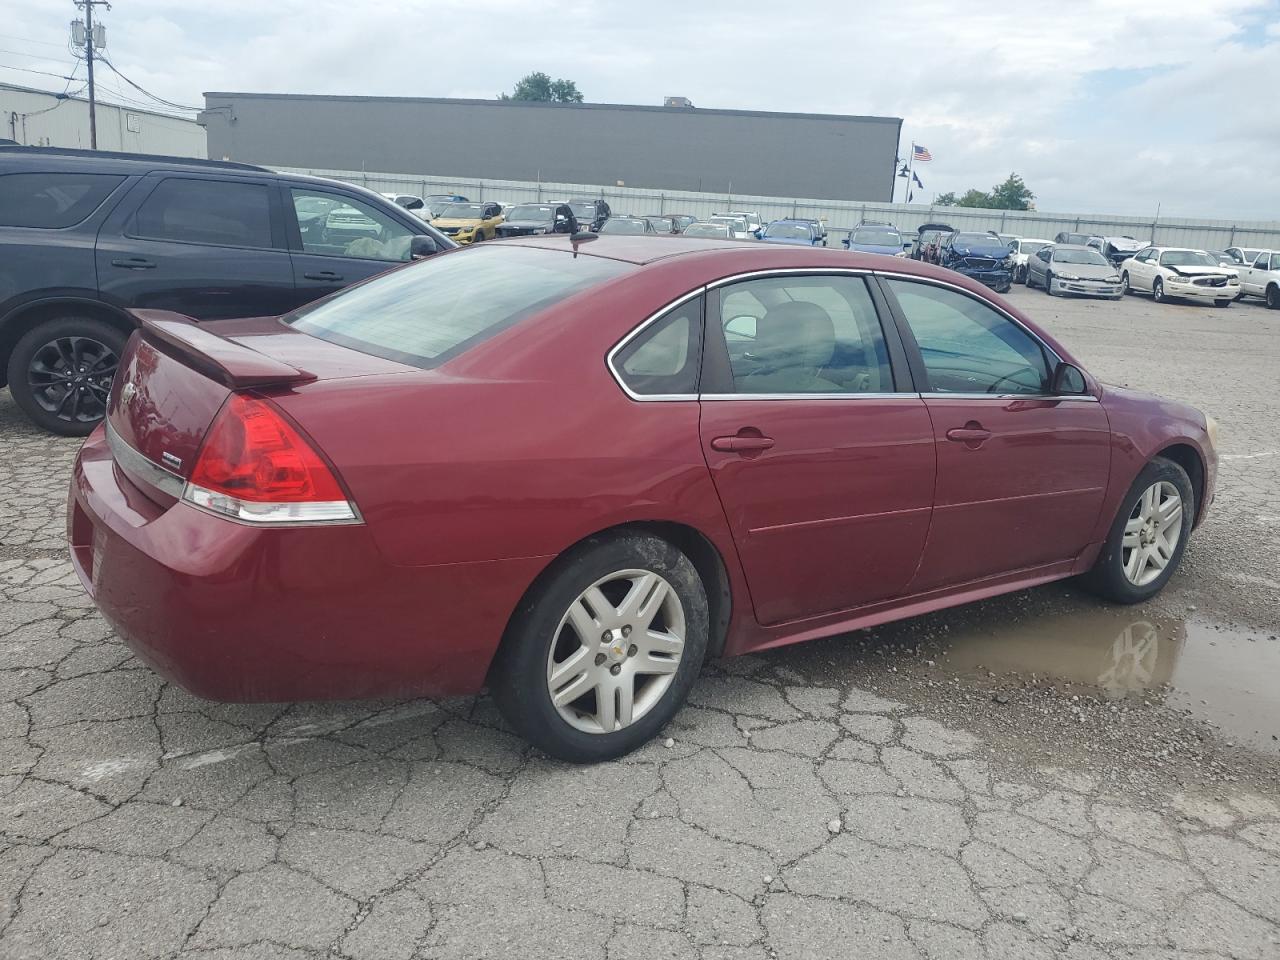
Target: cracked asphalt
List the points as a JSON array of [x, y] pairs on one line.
[[844, 798]]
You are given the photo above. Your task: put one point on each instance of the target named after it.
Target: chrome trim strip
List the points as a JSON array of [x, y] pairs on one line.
[[786, 271], [609, 357], [1006, 397], [904, 395], [131, 461]]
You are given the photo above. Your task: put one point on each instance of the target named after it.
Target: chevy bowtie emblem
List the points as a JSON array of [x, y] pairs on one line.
[[128, 392]]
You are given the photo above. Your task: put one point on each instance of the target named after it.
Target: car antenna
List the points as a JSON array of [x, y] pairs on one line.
[[582, 236]]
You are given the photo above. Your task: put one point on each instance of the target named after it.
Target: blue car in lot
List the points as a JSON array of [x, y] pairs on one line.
[[870, 237], [800, 232], [982, 256]]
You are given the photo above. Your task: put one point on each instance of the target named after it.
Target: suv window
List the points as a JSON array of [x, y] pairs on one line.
[[966, 346], [216, 212], [52, 200], [434, 310], [665, 358], [336, 225], [804, 335]]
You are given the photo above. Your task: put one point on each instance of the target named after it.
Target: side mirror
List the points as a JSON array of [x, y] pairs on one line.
[[1068, 380], [414, 204], [422, 246]]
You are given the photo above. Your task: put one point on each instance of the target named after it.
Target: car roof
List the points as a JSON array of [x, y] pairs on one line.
[[1071, 246], [110, 161], [750, 254]]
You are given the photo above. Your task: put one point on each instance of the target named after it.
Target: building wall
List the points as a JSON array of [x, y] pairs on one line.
[[840, 215], [26, 116], [849, 158]]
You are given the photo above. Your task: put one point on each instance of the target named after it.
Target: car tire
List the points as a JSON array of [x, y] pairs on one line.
[[44, 360], [1048, 284], [1026, 279], [1124, 284], [546, 653], [1113, 574], [1273, 297], [1157, 290]]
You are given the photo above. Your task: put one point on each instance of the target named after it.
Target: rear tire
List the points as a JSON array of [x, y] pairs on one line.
[[554, 651], [60, 373], [1273, 297], [1117, 574]]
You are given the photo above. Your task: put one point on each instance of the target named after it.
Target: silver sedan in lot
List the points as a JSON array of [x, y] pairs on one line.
[[1068, 268]]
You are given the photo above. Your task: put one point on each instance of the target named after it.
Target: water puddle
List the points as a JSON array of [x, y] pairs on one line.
[[1229, 677]]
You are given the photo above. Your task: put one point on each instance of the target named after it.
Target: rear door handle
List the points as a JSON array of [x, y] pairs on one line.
[[741, 444], [972, 434], [323, 275], [134, 263]]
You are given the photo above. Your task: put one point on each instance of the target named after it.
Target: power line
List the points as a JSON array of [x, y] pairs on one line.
[[46, 73], [43, 43], [167, 103]]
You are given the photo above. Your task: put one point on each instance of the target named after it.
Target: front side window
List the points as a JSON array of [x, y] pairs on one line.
[[212, 212], [335, 225], [665, 358], [968, 347], [434, 310], [52, 200], [797, 335]]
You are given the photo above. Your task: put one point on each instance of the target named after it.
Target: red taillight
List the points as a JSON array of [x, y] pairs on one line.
[[255, 466]]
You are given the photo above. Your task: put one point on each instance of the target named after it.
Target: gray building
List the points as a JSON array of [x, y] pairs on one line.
[[744, 152]]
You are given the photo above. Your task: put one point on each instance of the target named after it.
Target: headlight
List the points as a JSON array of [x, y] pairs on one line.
[[1177, 278], [1211, 428], [1231, 280], [1115, 279], [1007, 262], [1065, 276]]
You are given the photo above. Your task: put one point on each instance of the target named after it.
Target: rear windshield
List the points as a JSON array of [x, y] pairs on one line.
[[52, 200], [432, 311]]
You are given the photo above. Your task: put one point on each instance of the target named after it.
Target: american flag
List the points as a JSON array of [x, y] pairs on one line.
[[920, 154]]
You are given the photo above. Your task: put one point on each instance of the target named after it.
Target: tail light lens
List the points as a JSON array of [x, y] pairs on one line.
[[256, 467]]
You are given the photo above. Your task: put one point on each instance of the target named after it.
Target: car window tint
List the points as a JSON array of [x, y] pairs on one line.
[[968, 347], [336, 225], [215, 212], [665, 358], [52, 200], [804, 335], [434, 310]]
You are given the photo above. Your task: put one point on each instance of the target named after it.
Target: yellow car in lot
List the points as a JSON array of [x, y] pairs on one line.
[[469, 222]]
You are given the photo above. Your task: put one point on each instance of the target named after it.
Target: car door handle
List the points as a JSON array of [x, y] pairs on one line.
[[323, 275], [972, 434], [134, 263], [741, 444]]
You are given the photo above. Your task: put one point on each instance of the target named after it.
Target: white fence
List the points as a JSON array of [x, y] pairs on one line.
[[840, 215]]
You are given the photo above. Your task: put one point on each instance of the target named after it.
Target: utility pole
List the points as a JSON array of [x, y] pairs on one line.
[[89, 44]]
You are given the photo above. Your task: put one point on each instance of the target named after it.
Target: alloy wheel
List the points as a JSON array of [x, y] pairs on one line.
[[1157, 289], [70, 377], [616, 651], [1151, 533]]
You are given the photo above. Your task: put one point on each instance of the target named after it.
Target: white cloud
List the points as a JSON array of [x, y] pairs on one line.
[[989, 88]]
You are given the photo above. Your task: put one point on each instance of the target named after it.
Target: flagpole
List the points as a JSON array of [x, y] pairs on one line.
[[911, 169]]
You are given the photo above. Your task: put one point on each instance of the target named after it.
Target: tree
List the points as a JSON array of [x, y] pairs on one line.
[[1012, 194], [540, 87]]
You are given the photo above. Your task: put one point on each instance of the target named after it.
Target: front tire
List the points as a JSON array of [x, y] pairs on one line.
[[1148, 537], [1048, 284], [1273, 297], [1124, 284], [601, 654], [60, 373], [1157, 290]]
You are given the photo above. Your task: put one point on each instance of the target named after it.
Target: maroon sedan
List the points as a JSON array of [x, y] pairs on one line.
[[571, 475]]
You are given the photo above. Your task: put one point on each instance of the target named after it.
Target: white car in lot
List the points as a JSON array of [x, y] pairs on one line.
[[1023, 248], [1179, 273], [1262, 278], [738, 226]]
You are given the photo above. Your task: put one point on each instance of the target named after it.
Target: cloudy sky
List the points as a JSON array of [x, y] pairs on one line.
[[1101, 105]]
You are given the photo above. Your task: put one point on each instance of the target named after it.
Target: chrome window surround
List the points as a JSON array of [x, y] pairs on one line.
[[830, 271]]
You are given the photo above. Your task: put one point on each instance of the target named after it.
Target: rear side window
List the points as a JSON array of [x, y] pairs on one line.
[[52, 200], [432, 311], [215, 212], [664, 359]]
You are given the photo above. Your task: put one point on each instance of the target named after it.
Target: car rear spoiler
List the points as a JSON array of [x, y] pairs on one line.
[[216, 357]]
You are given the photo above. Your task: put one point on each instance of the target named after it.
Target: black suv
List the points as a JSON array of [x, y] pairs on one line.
[[85, 236]]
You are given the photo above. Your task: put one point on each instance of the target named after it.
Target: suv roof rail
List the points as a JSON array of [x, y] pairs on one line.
[[119, 155]]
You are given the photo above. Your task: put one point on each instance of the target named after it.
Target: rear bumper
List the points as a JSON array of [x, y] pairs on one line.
[[232, 612]]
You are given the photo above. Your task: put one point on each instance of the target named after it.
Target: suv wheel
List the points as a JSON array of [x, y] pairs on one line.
[[60, 373]]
